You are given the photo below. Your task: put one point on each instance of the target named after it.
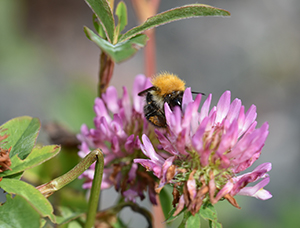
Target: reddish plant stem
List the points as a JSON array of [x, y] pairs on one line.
[[150, 54], [105, 74], [145, 9]]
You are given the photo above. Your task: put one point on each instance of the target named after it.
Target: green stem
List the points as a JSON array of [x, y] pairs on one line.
[[59, 182], [95, 191]]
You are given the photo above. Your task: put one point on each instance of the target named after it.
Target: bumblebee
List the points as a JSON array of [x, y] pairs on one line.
[[166, 88]]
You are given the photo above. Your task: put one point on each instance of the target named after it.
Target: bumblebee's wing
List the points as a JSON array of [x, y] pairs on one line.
[[142, 93]]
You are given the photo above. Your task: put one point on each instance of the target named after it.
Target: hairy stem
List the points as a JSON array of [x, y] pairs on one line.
[[59, 182], [105, 74], [95, 191]]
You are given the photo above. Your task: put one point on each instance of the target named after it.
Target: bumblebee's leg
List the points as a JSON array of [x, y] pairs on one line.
[[155, 116], [158, 121]]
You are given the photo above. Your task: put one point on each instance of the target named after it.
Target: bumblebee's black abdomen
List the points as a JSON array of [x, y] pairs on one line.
[[154, 113]]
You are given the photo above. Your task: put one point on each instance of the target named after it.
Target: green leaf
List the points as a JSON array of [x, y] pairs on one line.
[[36, 157], [98, 27], [172, 218], [15, 176], [165, 201], [75, 224], [31, 194], [215, 224], [120, 51], [17, 212], [66, 215], [121, 12], [43, 222], [179, 13], [209, 213], [193, 221], [103, 12], [22, 132]]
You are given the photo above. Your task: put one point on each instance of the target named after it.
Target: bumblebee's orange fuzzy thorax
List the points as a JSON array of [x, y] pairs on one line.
[[167, 83]]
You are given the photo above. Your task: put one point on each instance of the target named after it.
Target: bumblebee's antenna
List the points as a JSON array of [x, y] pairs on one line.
[[198, 93]]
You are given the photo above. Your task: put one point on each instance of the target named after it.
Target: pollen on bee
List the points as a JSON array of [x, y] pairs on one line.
[[154, 120], [167, 83]]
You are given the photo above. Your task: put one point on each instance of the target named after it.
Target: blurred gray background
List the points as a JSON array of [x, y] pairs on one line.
[[48, 69]]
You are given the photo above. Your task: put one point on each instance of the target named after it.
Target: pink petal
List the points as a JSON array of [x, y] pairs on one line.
[[165, 168], [197, 139], [249, 118], [111, 99], [173, 118], [132, 172], [180, 206], [140, 83], [126, 104], [191, 186], [242, 180], [187, 98], [223, 106], [257, 190], [205, 108], [229, 138], [165, 143], [101, 110], [151, 166], [150, 152], [226, 189], [191, 116], [250, 144], [129, 144], [234, 110]]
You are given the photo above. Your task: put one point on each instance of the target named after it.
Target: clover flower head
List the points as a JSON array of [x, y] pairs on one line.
[[203, 151], [119, 123]]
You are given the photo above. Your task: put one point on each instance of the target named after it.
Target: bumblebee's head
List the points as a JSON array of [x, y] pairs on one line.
[[167, 83]]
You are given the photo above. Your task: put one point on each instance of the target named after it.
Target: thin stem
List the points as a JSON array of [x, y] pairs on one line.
[[95, 191], [145, 9], [150, 54], [59, 182], [105, 74]]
